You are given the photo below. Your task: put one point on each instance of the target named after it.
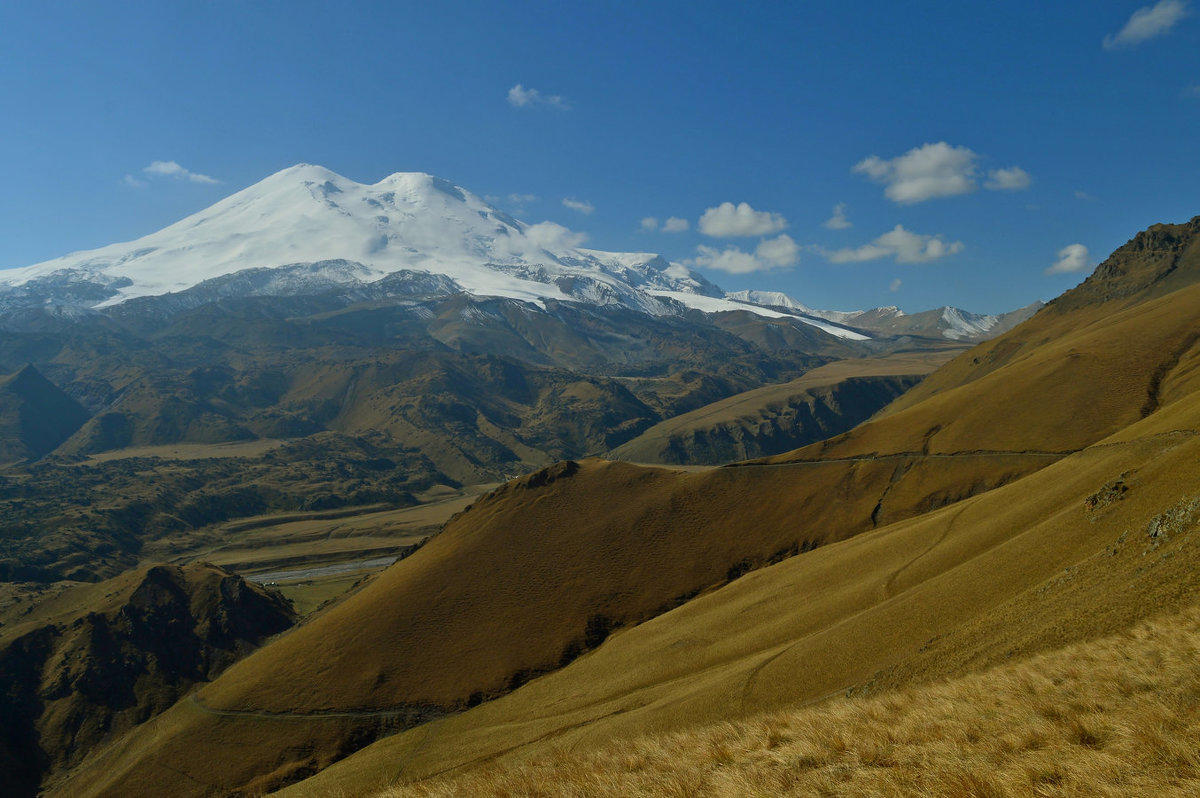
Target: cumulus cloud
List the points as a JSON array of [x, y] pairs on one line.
[[521, 97], [731, 259], [174, 170], [902, 245], [731, 221], [1146, 23], [1071, 258], [672, 225], [894, 285], [544, 235], [585, 208], [1083, 195], [838, 221], [922, 173], [775, 253], [936, 170], [133, 182], [779, 252], [1013, 179]]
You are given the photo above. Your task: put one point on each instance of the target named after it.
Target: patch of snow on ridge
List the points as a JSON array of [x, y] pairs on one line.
[[710, 304]]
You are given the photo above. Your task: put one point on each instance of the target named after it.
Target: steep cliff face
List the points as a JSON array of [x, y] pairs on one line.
[[73, 680], [709, 437]]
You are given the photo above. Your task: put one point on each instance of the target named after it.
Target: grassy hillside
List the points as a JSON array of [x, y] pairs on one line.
[[1116, 716], [1084, 548]]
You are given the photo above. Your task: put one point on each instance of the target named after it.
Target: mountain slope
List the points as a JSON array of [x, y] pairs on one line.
[[1085, 547], [1105, 717], [565, 566]]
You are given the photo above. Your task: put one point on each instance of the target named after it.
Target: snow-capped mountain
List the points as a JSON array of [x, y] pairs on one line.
[[306, 230], [326, 230]]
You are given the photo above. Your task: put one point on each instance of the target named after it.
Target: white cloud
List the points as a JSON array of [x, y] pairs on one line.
[[586, 208], [1013, 179], [728, 221], [133, 182], [1083, 195], [894, 285], [1192, 91], [898, 243], [922, 173], [730, 259], [838, 221], [936, 170], [173, 169], [1146, 23], [774, 253], [549, 235], [521, 97], [1072, 258], [778, 252], [671, 225]]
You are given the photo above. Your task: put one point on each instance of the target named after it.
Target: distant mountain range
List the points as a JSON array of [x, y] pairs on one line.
[[306, 231]]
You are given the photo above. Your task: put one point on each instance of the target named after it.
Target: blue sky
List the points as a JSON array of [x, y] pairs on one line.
[[969, 147]]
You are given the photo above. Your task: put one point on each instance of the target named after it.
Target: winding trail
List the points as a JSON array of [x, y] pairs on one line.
[[874, 458], [889, 584]]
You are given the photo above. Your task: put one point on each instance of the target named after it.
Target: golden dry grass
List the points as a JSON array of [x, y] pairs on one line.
[[1115, 717]]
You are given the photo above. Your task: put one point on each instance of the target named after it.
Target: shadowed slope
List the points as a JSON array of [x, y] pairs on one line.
[[35, 416]]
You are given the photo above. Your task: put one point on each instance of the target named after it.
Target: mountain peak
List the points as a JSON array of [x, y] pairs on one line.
[[1160, 259], [408, 222]]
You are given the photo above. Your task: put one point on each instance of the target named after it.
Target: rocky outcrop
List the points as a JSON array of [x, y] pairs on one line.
[[71, 684]]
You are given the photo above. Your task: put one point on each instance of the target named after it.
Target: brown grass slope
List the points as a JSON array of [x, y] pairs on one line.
[[541, 570], [1085, 366], [1113, 717], [1086, 547]]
